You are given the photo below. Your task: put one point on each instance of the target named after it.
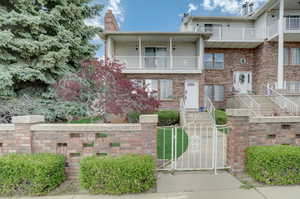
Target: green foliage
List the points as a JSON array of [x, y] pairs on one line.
[[221, 117], [43, 40], [117, 175], [33, 174], [164, 143], [274, 165], [86, 120], [133, 117], [168, 117]]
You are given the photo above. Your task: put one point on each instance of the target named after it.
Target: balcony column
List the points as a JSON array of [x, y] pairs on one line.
[[171, 52], [200, 49], [140, 53], [109, 48], [280, 67]]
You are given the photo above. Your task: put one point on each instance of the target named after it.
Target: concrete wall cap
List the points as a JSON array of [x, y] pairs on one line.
[[149, 119], [28, 119], [237, 112], [85, 127], [275, 119], [7, 127]]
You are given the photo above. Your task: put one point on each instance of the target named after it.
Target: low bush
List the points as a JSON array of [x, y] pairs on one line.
[[221, 117], [168, 117], [117, 175], [87, 120], [31, 174], [133, 117], [274, 165]]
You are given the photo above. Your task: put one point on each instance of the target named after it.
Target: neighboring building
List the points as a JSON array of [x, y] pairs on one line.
[[213, 56]]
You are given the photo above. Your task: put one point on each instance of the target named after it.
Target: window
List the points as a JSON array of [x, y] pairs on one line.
[[293, 22], [295, 56], [156, 57], [137, 82], [286, 56], [214, 61], [152, 87], [166, 89], [215, 92]]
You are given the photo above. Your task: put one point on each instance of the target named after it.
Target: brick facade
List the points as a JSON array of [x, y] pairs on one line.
[[244, 133], [76, 141]]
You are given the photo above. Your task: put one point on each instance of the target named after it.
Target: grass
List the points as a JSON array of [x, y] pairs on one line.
[[164, 142], [221, 117], [86, 120]]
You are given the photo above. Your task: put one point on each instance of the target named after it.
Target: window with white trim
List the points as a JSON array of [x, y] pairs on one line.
[[152, 87], [215, 92], [137, 82], [166, 89], [295, 58], [214, 60]]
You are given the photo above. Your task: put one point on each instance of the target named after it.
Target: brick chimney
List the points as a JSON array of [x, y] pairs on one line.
[[110, 22]]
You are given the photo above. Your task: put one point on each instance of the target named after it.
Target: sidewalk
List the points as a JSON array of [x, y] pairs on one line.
[[198, 185]]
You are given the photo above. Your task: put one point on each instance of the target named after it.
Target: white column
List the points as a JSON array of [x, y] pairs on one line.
[[140, 53], [109, 48], [280, 69], [200, 46], [171, 52]]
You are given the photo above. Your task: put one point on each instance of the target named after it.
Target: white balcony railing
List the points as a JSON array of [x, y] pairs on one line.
[[291, 24], [159, 62], [289, 87], [229, 33]]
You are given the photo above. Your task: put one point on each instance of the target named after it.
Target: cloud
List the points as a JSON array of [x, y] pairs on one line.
[[192, 7], [115, 6], [228, 6]]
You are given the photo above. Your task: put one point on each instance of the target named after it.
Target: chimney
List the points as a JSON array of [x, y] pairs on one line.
[[110, 22]]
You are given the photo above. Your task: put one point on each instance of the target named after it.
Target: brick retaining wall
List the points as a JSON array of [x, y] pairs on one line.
[[246, 131], [76, 141]]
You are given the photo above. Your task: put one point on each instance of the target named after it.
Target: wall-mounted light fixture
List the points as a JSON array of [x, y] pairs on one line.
[[136, 47]]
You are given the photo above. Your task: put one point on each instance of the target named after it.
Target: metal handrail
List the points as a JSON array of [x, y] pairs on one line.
[[283, 102], [210, 108]]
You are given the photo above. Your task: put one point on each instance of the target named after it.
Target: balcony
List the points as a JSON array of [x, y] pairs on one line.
[[222, 33], [160, 64], [291, 26]]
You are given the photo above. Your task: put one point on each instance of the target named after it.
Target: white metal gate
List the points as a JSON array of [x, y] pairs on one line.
[[193, 147]]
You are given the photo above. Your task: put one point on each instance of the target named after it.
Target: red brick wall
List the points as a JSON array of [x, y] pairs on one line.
[[244, 134], [78, 141]]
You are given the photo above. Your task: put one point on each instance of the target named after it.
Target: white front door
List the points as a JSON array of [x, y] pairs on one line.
[[191, 94], [242, 82]]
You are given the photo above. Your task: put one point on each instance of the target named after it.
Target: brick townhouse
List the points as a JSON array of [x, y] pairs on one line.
[[213, 56]]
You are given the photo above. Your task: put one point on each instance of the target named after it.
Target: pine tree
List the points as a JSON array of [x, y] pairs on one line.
[[41, 40]]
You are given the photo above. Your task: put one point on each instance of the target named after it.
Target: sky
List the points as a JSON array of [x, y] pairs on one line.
[[162, 15]]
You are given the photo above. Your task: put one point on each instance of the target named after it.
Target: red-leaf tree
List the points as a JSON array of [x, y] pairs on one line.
[[103, 88]]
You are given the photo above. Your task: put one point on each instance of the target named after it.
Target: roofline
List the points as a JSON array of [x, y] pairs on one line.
[[206, 35], [228, 18], [263, 8]]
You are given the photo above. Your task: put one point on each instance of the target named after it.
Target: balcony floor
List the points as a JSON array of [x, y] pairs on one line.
[[232, 44]]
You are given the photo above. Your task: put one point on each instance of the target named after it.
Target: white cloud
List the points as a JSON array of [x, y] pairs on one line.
[[115, 6], [228, 6], [192, 7]]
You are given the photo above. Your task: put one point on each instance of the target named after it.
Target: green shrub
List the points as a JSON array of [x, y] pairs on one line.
[[87, 120], [168, 117], [133, 117], [221, 117], [274, 165], [31, 174], [117, 175]]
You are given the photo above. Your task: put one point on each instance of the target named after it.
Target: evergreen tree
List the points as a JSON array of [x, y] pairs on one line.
[[41, 40]]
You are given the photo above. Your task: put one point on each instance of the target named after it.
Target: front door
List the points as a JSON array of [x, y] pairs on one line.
[[242, 82], [191, 94]]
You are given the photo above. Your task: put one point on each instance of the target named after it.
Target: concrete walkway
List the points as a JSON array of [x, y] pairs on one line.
[[198, 185]]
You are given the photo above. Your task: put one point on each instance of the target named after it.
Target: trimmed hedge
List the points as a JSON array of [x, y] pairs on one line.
[[31, 174], [168, 117], [133, 117], [117, 175], [221, 117], [274, 165]]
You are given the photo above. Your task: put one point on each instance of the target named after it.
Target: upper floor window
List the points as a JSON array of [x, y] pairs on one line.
[[214, 60], [156, 57], [293, 22]]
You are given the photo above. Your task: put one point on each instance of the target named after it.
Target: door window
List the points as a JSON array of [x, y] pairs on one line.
[[156, 57]]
